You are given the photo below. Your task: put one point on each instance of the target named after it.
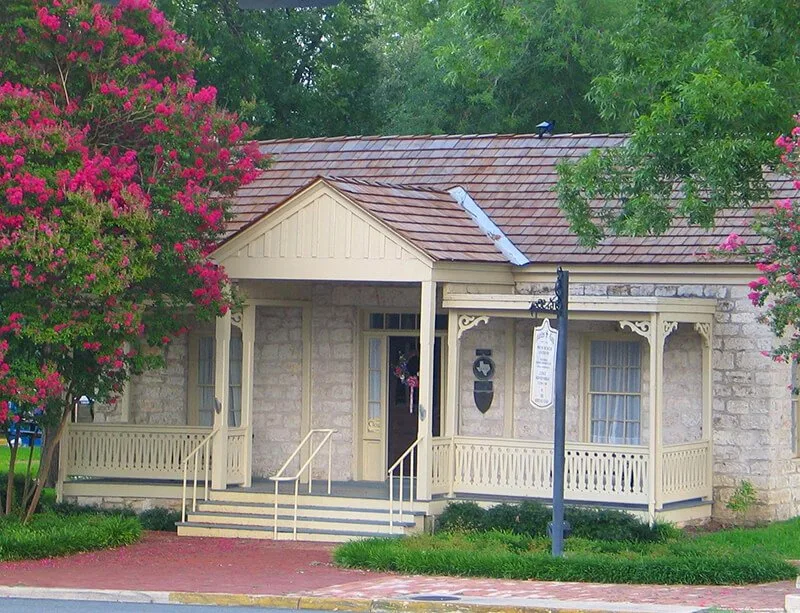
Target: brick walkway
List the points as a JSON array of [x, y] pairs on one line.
[[166, 562]]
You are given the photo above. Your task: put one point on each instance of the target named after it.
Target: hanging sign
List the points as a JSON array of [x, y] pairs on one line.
[[543, 366]]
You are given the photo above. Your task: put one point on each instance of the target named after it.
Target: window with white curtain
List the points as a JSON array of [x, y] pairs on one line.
[[205, 380], [615, 392]]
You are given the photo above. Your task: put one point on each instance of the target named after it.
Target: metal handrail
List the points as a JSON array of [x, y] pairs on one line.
[[205, 443], [413, 453], [279, 477]]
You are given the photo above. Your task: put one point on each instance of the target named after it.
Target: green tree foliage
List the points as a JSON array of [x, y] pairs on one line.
[[493, 65], [704, 86], [290, 72]]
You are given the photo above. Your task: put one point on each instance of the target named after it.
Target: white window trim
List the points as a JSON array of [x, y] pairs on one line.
[[586, 392]]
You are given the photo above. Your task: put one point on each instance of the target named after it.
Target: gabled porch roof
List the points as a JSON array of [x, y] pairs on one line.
[[343, 229]]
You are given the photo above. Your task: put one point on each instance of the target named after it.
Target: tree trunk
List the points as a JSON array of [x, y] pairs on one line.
[[10, 479], [47, 460], [52, 474]]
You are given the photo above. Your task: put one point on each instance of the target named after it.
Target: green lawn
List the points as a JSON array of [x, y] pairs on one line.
[[22, 459], [781, 537]]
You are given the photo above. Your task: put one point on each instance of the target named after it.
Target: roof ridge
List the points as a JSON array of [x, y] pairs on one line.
[[410, 186], [374, 137]]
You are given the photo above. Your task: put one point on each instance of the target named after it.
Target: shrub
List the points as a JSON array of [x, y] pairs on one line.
[[160, 518], [50, 534], [672, 563], [462, 516], [531, 518]]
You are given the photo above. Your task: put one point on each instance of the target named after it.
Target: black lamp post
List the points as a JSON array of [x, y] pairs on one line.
[[558, 306]]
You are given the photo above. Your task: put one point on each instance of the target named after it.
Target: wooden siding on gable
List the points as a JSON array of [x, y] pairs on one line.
[[321, 235]]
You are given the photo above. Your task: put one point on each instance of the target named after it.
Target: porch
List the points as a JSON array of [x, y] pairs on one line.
[[645, 448]]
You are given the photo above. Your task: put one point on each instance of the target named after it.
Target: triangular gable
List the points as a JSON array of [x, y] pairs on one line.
[[319, 233]]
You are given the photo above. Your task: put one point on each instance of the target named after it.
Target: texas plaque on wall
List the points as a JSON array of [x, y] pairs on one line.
[[483, 388]]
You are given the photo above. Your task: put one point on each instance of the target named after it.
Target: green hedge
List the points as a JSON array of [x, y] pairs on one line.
[[50, 534], [157, 518], [510, 556], [531, 518]]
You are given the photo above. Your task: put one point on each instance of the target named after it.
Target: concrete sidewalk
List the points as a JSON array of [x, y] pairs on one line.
[[166, 568]]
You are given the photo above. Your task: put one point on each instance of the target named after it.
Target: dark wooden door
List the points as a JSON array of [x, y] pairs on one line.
[[403, 404]]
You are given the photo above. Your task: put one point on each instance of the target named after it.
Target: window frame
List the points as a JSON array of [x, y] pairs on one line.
[[586, 392], [193, 383]]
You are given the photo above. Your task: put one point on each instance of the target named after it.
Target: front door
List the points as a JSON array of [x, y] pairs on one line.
[[403, 395]]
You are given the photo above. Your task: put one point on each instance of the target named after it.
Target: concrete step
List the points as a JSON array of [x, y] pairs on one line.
[[258, 532], [266, 520], [315, 500], [307, 510]]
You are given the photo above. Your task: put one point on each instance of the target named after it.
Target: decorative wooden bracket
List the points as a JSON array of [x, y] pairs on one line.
[[704, 330], [467, 322], [642, 328]]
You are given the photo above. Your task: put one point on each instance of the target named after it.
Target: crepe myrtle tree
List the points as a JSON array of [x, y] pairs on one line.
[[114, 173], [777, 289]]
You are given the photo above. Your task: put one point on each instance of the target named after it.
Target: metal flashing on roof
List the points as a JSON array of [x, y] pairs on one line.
[[485, 223]]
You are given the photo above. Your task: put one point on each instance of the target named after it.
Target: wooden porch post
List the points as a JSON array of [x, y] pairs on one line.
[[222, 348], [451, 409], [305, 392], [705, 330], [656, 411], [427, 337], [248, 353]]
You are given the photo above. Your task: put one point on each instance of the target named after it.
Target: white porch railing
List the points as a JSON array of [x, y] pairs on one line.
[[128, 450], [201, 455], [440, 465], [279, 477], [236, 468], [593, 473], [685, 473], [398, 470]]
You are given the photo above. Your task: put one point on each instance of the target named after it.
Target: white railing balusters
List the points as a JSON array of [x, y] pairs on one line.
[[411, 454], [279, 477], [205, 444]]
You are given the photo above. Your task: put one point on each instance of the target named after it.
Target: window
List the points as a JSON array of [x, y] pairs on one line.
[[201, 379], [401, 321], [615, 392]]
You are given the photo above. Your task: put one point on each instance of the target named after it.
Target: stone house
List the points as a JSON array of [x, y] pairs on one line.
[[386, 338]]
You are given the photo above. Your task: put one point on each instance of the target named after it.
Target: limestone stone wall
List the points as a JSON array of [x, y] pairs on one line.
[[277, 387], [158, 397], [683, 386], [490, 336]]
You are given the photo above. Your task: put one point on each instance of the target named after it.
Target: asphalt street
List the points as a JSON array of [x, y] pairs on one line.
[[29, 605]]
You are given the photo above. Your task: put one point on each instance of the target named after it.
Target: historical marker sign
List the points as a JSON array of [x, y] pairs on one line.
[[543, 366]]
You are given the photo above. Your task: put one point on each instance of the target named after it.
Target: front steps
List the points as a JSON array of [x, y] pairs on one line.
[[245, 513]]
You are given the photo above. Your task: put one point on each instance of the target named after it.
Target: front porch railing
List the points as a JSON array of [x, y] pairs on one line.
[[593, 473], [685, 472], [129, 451], [236, 468]]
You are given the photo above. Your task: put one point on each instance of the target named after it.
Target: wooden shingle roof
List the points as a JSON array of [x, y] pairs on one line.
[[511, 177], [428, 217]]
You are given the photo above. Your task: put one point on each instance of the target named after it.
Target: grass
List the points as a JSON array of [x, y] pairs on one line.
[[780, 538], [50, 534], [22, 459], [724, 558]]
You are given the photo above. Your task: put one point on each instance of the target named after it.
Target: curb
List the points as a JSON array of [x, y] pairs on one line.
[[323, 603]]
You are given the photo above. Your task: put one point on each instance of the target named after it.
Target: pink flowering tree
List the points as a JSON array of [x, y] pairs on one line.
[[114, 172], [777, 289]]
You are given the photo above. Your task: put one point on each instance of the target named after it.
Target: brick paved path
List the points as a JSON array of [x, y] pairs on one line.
[[166, 562]]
